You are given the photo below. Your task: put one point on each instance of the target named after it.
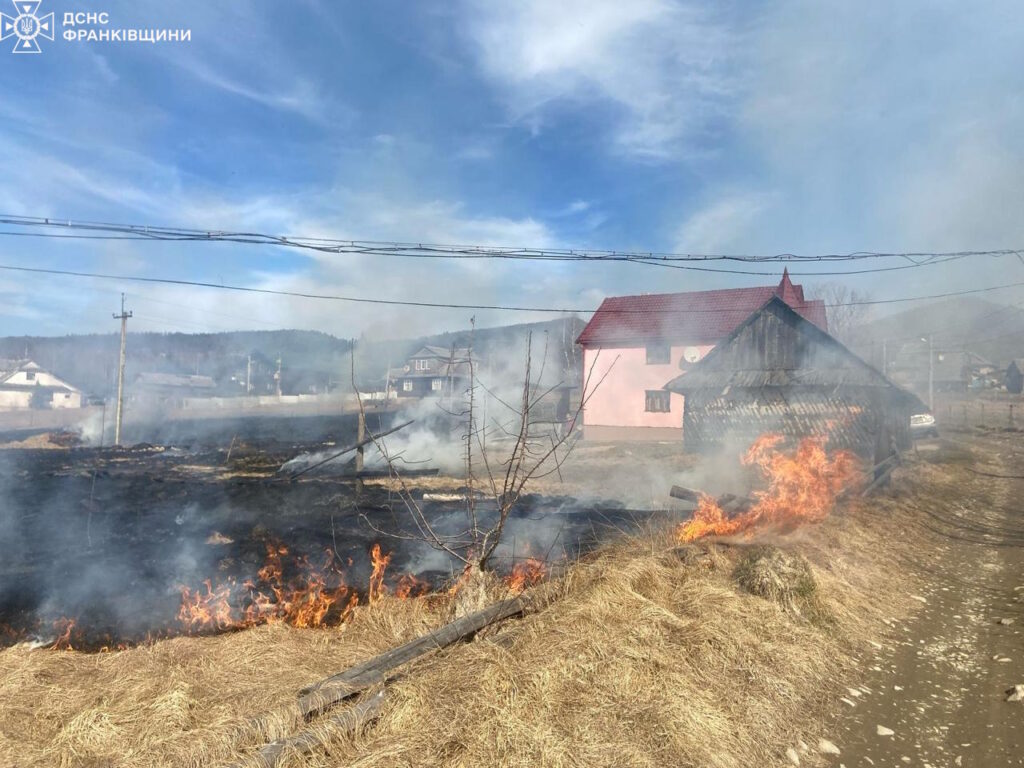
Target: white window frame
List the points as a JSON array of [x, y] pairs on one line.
[[407, 386], [436, 385], [422, 364]]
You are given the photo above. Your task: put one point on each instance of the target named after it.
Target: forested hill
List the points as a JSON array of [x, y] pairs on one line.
[[311, 361]]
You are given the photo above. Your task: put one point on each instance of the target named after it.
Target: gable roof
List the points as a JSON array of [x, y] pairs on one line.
[[444, 353], [9, 368], [693, 317], [815, 358]]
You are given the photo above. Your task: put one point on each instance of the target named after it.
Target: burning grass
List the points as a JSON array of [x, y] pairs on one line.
[[634, 657], [801, 487]]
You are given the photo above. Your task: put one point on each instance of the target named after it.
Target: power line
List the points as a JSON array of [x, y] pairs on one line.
[[434, 250], [648, 261], [447, 305]]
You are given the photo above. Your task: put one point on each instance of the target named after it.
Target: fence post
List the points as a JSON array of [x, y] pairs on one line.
[[1011, 415]]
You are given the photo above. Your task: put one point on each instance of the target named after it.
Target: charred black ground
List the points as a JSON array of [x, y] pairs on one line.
[[108, 537]]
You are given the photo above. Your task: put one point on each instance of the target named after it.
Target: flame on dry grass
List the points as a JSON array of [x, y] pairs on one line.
[[801, 488], [316, 595], [64, 627], [380, 564], [525, 574]]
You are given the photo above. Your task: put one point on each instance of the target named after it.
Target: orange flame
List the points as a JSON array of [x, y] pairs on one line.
[[206, 611], [65, 627], [802, 488], [291, 590], [380, 564], [409, 586], [525, 574]]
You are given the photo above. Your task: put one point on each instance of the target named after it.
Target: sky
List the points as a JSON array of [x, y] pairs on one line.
[[714, 127]]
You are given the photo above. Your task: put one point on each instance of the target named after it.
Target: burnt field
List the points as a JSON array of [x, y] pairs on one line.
[[107, 547]]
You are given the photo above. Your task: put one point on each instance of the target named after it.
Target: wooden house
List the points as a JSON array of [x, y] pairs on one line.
[[433, 372], [779, 372]]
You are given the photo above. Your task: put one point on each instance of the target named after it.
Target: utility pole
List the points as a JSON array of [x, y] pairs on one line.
[[885, 357], [931, 371], [123, 317], [248, 375], [277, 376]]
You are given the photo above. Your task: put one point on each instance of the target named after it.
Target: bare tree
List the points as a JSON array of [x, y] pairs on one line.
[[846, 309], [527, 448]]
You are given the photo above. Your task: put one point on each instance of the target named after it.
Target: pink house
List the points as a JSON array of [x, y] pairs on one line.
[[639, 343]]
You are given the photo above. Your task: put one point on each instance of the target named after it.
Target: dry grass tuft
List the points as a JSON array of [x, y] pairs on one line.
[[777, 575]]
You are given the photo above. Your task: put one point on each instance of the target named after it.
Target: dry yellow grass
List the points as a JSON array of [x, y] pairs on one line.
[[635, 657]]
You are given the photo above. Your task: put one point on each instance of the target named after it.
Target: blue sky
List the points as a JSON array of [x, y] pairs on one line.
[[667, 126]]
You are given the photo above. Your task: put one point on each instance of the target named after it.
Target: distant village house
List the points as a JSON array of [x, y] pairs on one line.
[[433, 372], [170, 388], [25, 385], [638, 343]]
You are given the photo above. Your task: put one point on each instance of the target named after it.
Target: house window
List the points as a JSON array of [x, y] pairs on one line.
[[436, 384], [30, 375], [657, 401], [422, 365], [659, 354], [407, 386], [67, 397]]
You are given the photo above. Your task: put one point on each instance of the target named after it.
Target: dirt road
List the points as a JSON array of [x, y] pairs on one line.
[[934, 692]]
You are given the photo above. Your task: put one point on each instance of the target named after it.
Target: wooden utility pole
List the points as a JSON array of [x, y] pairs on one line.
[[360, 438], [123, 317], [361, 425]]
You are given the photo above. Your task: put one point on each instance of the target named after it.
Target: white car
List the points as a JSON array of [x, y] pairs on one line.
[[923, 425]]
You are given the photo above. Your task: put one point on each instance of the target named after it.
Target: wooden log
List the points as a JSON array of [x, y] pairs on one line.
[[383, 474], [351, 448], [686, 494], [729, 502], [327, 692], [305, 741], [342, 724]]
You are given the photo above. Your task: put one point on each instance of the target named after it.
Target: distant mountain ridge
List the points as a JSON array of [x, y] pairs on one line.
[[311, 361], [988, 329]]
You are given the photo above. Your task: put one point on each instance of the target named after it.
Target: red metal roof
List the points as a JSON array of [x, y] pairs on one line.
[[695, 317]]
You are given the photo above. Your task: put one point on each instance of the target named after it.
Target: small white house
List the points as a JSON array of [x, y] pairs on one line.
[[25, 385]]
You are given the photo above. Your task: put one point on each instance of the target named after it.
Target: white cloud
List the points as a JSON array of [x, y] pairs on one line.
[[666, 66], [301, 96], [722, 225]]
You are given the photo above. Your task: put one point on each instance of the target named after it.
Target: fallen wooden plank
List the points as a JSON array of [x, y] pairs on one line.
[[729, 502], [351, 448], [327, 692], [342, 724], [383, 474], [686, 494], [305, 741]]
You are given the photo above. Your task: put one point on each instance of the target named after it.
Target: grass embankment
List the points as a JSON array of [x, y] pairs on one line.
[[642, 654]]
